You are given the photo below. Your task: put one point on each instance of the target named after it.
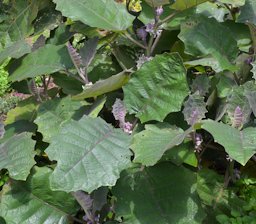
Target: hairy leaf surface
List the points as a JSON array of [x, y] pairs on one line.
[[90, 153], [160, 194], [96, 13], [17, 155], [240, 145], [45, 60], [157, 88], [203, 36], [53, 113], [149, 145], [34, 202]]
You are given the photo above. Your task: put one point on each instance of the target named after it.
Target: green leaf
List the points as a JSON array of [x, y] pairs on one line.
[[68, 84], [103, 86], [16, 128], [17, 155], [185, 4], [149, 145], [206, 61], [104, 14], [183, 153], [203, 36], [25, 110], [248, 11], [210, 187], [97, 153], [34, 202], [15, 50], [160, 194], [240, 145], [53, 113], [157, 88], [45, 60], [18, 23]]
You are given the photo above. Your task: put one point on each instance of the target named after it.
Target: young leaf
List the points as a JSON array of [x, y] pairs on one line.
[[17, 155], [240, 145], [34, 202], [97, 154], [150, 145], [88, 51], [103, 14], [194, 109], [104, 86], [237, 98], [202, 36], [163, 193], [157, 88]]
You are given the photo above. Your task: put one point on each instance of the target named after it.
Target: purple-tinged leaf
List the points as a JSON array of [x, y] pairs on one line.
[[202, 84], [235, 99], [119, 111], [88, 51], [238, 118], [86, 203], [76, 58], [194, 109]]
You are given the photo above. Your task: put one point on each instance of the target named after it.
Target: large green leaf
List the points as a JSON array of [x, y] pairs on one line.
[[203, 36], [103, 14], [103, 86], [248, 11], [157, 88], [34, 202], [149, 145], [240, 145], [53, 113], [17, 155], [90, 153], [45, 60], [161, 194]]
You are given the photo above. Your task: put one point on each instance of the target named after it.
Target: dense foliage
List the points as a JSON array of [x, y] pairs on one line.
[[134, 112]]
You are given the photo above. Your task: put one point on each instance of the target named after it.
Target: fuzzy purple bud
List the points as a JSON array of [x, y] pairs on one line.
[[159, 11], [141, 33], [238, 117], [150, 28], [248, 61]]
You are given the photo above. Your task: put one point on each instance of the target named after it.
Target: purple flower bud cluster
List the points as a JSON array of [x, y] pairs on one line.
[[248, 61], [159, 11], [96, 219], [142, 59], [119, 112]]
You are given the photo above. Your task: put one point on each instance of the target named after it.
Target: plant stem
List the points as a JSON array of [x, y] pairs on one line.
[[134, 41], [155, 43], [166, 19]]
